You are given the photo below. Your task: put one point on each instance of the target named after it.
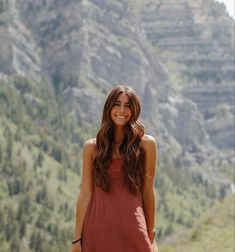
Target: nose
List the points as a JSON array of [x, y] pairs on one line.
[[122, 108]]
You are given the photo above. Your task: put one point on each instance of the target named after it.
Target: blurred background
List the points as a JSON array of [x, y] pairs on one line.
[[58, 61]]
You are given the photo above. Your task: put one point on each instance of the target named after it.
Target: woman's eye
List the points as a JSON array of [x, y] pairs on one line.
[[119, 105]]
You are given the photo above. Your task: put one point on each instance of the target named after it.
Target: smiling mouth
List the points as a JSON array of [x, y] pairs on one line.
[[121, 117]]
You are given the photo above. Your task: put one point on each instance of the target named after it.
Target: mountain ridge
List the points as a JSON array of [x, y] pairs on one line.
[[59, 59]]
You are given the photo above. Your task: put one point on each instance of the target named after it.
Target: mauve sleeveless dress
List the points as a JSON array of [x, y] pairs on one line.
[[115, 221]]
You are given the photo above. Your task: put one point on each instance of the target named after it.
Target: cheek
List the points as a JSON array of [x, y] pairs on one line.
[[130, 112], [112, 111]]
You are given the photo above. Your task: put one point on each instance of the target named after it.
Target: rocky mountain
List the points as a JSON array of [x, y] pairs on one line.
[[178, 54], [192, 38], [58, 60]]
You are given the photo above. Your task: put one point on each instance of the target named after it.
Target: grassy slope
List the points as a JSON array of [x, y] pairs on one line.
[[214, 231]]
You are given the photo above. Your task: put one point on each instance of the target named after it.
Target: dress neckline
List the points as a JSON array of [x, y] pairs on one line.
[[116, 159]]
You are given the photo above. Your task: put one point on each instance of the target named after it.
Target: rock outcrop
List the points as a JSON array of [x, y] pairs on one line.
[[177, 54], [19, 53]]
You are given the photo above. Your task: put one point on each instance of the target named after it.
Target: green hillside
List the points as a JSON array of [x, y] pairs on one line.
[[213, 232], [40, 168]]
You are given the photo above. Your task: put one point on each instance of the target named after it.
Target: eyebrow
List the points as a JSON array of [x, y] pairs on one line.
[[121, 102]]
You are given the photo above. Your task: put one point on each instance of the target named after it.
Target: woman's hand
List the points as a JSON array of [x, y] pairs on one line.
[[151, 235], [154, 246], [76, 247]]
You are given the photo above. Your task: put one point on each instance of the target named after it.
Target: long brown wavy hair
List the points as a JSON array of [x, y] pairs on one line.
[[130, 148]]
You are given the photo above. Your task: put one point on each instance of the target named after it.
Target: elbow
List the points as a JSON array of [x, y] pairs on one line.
[[85, 196], [148, 193]]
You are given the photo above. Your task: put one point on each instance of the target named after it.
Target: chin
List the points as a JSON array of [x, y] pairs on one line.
[[120, 124]]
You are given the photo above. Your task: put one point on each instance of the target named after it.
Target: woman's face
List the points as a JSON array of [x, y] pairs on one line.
[[121, 111]]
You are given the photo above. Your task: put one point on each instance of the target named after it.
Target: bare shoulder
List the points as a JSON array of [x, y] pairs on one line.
[[148, 140], [90, 147], [149, 144]]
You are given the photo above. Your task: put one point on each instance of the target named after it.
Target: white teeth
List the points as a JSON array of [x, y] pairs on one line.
[[122, 117]]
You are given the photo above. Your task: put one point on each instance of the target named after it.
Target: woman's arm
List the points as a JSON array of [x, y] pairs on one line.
[[148, 195], [86, 187]]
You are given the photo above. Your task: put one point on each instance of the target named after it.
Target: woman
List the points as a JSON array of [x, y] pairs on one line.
[[116, 205]]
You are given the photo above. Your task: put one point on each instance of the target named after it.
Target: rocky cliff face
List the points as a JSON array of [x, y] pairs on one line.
[[177, 54], [197, 35], [18, 49], [216, 104], [196, 39], [98, 41]]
